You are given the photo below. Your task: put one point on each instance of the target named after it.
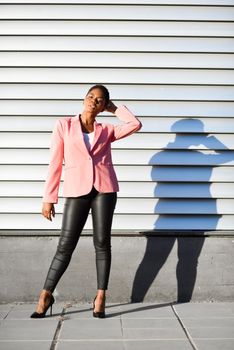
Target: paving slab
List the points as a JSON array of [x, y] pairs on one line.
[[34, 329], [211, 333], [146, 310], [217, 344], [158, 345], [204, 310], [125, 345], [91, 345], [24, 312], [91, 329], [3, 314], [5, 307], [152, 333], [25, 345], [150, 323], [220, 322], [32, 306], [4, 310], [25, 315], [78, 311], [113, 310], [94, 323]]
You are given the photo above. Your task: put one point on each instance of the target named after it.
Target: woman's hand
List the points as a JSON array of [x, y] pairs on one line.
[[48, 210], [111, 107]]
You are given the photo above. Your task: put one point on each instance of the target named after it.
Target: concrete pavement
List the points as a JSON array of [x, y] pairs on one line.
[[136, 326]]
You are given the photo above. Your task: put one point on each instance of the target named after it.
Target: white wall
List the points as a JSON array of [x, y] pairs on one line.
[[170, 62]]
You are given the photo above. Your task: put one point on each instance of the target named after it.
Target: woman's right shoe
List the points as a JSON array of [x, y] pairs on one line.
[[98, 314], [42, 314]]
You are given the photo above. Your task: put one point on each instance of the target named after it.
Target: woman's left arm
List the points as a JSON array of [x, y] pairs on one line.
[[131, 123]]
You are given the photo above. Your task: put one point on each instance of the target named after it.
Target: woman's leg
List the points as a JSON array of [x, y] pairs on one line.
[[103, 206], [76, 210]]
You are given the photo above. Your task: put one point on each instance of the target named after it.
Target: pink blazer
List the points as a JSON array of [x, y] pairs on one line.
[[82, 168]]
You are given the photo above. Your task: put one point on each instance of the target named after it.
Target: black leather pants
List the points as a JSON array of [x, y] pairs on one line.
[[76, 210]]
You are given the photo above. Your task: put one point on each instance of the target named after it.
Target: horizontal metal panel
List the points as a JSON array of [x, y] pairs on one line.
[[187, 174], [24, 172], [124, 222], [148, 108], [132, 189], [199, 222], [130, 173], [178, 190], [118, 92], [116, 59], [183, 125], [117, 12], [172, 141], [128, 2], [95, 27], [211, 206], [136, 141], [117, 75], [132, 206], [190, 157], [166, 157], [124, 44], [135, 157], [154, 124]]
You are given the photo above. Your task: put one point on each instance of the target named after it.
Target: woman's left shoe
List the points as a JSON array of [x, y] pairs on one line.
[[98, 314], [42, 315]]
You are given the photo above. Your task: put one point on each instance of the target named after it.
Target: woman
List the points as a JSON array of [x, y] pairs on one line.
[[89, 183]]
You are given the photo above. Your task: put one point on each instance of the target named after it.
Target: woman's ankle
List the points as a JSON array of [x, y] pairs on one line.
[[101, 296], [101, 292], [46, 292]]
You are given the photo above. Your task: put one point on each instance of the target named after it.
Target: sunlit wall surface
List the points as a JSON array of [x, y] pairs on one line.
[[170, 62]]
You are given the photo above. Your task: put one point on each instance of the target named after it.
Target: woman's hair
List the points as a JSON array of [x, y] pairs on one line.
[[104, 91]]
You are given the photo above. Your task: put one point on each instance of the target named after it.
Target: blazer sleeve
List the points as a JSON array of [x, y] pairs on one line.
[[52, 182], [131, 123]]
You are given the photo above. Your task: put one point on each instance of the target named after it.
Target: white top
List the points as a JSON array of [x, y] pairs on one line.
[[88, 139]]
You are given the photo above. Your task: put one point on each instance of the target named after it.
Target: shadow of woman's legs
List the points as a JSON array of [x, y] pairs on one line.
[[189, 249], [156, 253]]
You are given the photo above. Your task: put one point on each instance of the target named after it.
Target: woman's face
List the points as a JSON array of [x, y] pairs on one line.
[[94, 101]]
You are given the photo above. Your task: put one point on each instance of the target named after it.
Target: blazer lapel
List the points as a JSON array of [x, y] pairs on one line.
[[97, 133], [78, 135], [79, 138]]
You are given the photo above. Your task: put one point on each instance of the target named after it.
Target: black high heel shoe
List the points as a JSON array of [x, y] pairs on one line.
[[42, 314], [98, 314]]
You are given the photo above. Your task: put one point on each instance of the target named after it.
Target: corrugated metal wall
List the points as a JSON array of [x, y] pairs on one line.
[[170, 62]]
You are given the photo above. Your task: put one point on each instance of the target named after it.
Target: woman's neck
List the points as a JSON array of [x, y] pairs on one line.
[[88, 118], [87, 121]]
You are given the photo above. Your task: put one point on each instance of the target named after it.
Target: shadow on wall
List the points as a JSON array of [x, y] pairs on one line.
[[171, 201]]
